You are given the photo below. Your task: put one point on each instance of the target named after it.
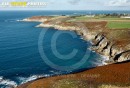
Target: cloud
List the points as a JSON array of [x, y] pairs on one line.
[[74, 2], [118, 3]]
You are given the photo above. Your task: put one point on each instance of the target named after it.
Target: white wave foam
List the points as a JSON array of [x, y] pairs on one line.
[[21, 80], [7, 82], [105, 58], [28, 79]]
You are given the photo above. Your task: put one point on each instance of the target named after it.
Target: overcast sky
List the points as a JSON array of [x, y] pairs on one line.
[[77, 5]]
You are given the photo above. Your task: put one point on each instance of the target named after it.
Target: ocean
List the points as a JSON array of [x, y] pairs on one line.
[[21, 59]]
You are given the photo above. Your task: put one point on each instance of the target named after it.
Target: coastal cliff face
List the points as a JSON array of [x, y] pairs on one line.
[[113, 44]]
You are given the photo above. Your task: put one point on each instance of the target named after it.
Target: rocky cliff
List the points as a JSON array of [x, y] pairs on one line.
[[112, 43]]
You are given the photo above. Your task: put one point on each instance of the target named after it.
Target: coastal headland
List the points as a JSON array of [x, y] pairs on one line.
[[109, 35]]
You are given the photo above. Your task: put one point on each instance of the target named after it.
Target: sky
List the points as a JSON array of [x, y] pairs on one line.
[[75, 5]]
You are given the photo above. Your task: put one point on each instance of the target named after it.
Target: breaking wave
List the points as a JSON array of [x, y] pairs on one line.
[[11, 83], [7, 82]]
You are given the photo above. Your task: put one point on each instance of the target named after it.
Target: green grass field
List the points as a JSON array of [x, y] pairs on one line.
[[118, 25], [98, 18], [113, 22]]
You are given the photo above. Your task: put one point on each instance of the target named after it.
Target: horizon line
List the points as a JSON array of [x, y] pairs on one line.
[[57, 10]]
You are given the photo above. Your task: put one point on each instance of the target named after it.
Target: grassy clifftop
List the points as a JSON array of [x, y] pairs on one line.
[[111, 76]]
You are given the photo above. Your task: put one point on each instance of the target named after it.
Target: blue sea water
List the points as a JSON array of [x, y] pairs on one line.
[[20, 60]]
